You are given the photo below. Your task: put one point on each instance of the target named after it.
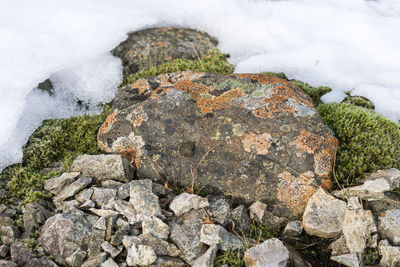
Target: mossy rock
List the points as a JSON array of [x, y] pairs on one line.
[[367, 141], [359, 101], [55, 140]]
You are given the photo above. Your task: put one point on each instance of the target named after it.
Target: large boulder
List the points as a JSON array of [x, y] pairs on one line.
[[250, 136], [155, 46]]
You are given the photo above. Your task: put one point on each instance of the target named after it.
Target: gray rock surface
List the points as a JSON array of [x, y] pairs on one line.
[[73, 188], [212, 234], [271, 253], [293, 228], [257, 211], [165, 261], [240, 218], [109, 263], [6, 263], [63, 234], [389, 226], [390, 254], [339, 247], [20, 254], [144, 201], [185, 202], [56, 184], [220, 210], [350, 260], [156, 227], [103, 196], [35, 216], [185, 233], [323, 216], [207, 259], [104, 167]]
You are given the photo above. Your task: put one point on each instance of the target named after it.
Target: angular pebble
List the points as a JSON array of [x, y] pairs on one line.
[[185, 202], [212, 234], [389, 226], [271, 253], [73, 188], [56, 184]]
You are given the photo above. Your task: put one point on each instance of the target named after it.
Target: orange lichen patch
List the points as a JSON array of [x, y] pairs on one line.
[[323, 163], [260, 113], [165, 29], [211, 103], [137, 116], [326, 183], [158, 92], [261, 78], [130, 147], [142, 85], [308, 142], [276, 107], [296, 190], [162, 44], [102, 146], [382, 214], [107, 124], [130, 53], [168, 58], [258, 143]]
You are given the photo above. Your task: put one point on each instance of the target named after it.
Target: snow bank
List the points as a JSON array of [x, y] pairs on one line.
[[339, 43]]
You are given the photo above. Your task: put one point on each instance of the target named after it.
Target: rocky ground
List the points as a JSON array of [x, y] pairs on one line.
[[194, 166]]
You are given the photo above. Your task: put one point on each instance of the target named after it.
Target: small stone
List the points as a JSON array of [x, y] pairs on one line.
[[339, 247], [104, 167], [257, 210], [104, 213], [158, 189], [100, 224], [372, 242], [123, 191], [144, 201], [73, 188], [370, 190], [358, 226], [4, 250], [350, 259], [293, 228], [95, 260], [156, 227], [185, 233], [392, 176], [42, 262], [138, 254], [240, 218], [212, 234], [109, 263], [56, 184], [9, 233], [390, 254], [389, 226], [207, 259], [2, 208], [116, 239], [35, 215], [20, 254], [121, 222], [107, 247], [5, 263], [220, 210], [128, 210], [111, 184], [103, 196], [172, 250], [84, 195], [273, 221], [87, 205], [185, 202], [66, 206], [271, 252], [324, 215], [95, 240], [110, 222], [165, 261], [77, 258]]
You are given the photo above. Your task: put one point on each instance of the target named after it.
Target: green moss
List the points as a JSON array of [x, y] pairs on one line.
[[258, 233], [367, 141], [55, 140], [359, 101], [213, 61], [314, 92], [371, 257]]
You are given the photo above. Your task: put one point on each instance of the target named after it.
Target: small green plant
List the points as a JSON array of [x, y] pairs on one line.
[[367, 141], [358, 101], [371, 257], [231, 258], [213, 61]]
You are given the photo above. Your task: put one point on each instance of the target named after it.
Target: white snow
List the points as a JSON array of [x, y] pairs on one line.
[[339, 43]]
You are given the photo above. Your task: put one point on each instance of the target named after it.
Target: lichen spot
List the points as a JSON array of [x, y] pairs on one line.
[[257, 143], [295, 191], [308, 142], [323, 163], [142, 85], [131, 147], [108, 123], [137, 116]]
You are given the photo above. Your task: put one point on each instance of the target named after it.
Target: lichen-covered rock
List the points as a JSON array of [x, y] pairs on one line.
[[144, 201], [389, 226], [240, 218], [207, 259], [104, 167], [35, 215], [350, 259], [63, 234], [293, 228], [247, 135], [56, 184], [150, 47], [323, 216], [219, 209], [156, 227], [271, 252], [20, 254], [73, 188]]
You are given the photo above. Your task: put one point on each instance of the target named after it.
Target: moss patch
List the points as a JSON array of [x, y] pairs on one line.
[[359, 101], [367, 141], [314, 92], [55, 140], [213, 61]]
